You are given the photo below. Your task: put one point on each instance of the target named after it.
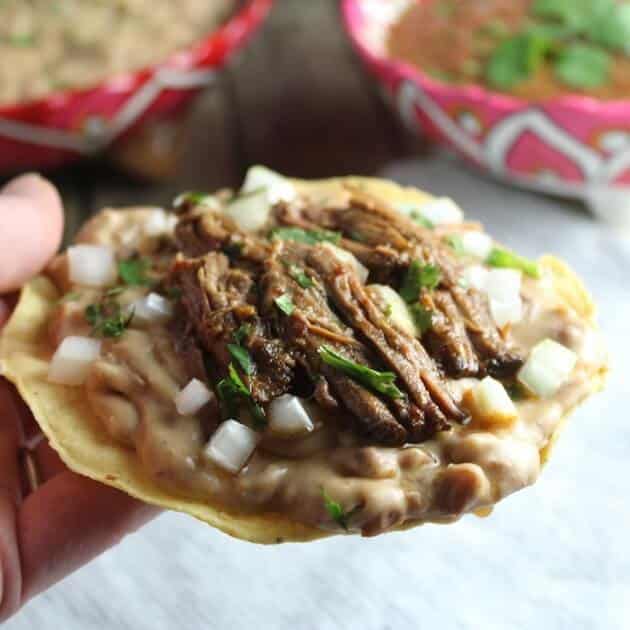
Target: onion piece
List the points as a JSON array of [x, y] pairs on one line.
[[192, 398], [152, 308], [547, 368], [231, 445], [91, 265], [477, 244], [348, 258], [288, 417], [504, 291], [441, 211], [159, 223], [72, 360], [397, 311], [250, 212], [475, 277], [278, 188], [489, 403]]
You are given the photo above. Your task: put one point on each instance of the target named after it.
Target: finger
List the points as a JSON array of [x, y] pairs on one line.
[[49, 464], [31, 224], [10, 497], [69, 521]]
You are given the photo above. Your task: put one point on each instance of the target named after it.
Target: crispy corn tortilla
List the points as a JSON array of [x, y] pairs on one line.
[[84, 445]]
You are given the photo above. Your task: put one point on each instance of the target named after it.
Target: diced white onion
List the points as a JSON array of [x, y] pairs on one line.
[[508, 312], [548, 366], [152, 308], [72, 360], [399, 315], [489, 403], [504, 284], [287, 416], [91, 265], [160, 222], [350, 259], [476, 277], [231, 445], [278, 188], [250, 212], [441, 211], [192, 398], [504, 291], [477, 244]]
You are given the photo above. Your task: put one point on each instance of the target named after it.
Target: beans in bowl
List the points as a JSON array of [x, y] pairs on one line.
[[52, 45]]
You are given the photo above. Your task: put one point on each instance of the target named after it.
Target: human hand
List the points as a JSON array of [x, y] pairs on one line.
[[52, 521]]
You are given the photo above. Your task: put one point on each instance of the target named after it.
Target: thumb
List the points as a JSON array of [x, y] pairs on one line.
[[31, 225]]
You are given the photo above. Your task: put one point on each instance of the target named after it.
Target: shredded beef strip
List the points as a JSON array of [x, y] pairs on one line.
[[218, 299], [403, 353], [302, 331], [372, 223], [447, 340]]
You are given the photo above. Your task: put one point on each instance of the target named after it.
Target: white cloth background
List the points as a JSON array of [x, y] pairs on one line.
[[552, 557]]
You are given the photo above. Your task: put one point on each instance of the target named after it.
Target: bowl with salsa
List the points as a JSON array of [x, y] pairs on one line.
[[79, 77], [536, 92]]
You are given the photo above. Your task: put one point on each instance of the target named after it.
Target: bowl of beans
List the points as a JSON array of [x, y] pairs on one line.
[[535, 92], [78, 77]]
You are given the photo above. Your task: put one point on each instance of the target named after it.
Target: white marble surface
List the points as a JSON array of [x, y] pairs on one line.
[[552, 557]]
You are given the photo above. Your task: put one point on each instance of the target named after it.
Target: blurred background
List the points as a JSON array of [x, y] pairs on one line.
[[298, 98]]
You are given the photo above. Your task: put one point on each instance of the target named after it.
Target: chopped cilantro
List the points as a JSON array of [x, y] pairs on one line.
[[108, 319], [309, 237], [419, 276], [285, 304], [230, 389], [133, 272], [336, 511], [504, 258], [242, 332], [388, 310], [381, 382], [583, 66], [241, 356], [299, 275]]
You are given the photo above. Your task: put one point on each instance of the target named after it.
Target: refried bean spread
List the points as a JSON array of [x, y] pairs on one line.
[[321, 351]]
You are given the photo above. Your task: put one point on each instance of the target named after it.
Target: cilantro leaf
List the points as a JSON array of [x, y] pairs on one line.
[[242, 332], [241, 356], [516, 59], [230, 389], [419, 276], [381, 382], [309, 237], [423, 317], [133, 272], [612, 28], [336, 511], [299, 275], [107, 318], [504, 258], [285, 304], [583, 66]]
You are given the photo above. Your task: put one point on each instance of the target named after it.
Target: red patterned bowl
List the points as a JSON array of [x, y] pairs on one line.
[[68, 125], [573, 146]]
